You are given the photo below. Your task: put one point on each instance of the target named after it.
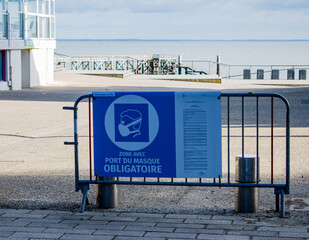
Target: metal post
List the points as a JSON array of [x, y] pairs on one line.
[[218, 66], [179, 65], [246, 198], [107, 194]]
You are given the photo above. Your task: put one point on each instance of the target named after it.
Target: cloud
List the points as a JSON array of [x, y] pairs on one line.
[[184, 19]]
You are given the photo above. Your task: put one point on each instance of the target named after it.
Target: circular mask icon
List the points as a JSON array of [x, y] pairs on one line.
[[131, 122]]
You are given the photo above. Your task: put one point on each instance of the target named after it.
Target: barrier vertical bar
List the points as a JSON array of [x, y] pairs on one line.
[[228, 139], [90, 148], [287, 189], [257, 141], [243, 126], [76, 151], [272, 140]]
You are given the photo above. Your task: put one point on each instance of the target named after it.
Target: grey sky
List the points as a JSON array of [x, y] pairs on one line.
[[182, 19]]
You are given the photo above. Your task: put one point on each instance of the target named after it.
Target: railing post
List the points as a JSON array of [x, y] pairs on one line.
[[218, 66]]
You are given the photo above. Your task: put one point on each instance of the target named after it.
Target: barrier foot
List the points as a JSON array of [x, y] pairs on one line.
[[84, 199], [282, 204]]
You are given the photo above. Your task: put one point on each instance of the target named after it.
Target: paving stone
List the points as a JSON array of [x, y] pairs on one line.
[[70, 231], [232, 227], [188, 216], [294, 234], [199, 231], [208, 221], [36, 235], [232, 218], [51, 225], [120, 233], [220, 237], [37, 220], [76, 217], [283, 229], [171, 235], [7, 219], [83, 222], [5, 233], [139, 238], [148, 229], [100, 227], [253, 233], [92, 214], [161, 220], [24, 215], [21, 229], [51, 212], [15, 224], [114, 218], [178, 225], [275, 238], [85, 237], [143, 215], [149, 224]]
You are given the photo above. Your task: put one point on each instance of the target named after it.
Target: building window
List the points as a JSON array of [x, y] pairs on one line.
[[15, 19], [2, 66], [31, 6], [3, 25], [44, 27], [31, 27], [44, 6]]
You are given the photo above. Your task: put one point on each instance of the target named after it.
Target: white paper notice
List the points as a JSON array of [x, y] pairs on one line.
[[198, 134]]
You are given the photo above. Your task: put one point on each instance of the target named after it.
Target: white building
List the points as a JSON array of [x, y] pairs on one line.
[[27, 43]]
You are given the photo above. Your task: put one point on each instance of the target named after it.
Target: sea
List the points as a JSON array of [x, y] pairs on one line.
[[231, 52], [255, 54]]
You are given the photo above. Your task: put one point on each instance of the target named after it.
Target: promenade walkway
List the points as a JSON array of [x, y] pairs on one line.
[[45, 224], [37, 172]]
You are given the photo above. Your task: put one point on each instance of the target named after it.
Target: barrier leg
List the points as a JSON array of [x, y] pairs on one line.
[[282, 204], [277, 203], [84, 199]]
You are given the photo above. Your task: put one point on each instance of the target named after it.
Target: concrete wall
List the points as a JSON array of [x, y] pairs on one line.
[[41, 67], [16, 69], [25, 68]]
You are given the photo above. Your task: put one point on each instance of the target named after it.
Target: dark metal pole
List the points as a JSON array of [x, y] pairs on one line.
[[218, 65], [107, 194]]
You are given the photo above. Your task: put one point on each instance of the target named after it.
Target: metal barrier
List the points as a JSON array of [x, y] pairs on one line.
[[280, 186]]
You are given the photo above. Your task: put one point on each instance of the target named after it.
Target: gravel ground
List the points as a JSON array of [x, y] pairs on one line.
[[37, 170]]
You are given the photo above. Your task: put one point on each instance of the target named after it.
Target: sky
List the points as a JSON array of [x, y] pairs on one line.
[[182, 19]]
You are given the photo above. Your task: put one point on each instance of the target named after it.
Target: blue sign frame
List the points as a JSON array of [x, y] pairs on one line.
[[157, 134]]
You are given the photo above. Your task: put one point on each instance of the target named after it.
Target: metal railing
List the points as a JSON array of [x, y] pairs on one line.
[[164, 65], [250, 110]]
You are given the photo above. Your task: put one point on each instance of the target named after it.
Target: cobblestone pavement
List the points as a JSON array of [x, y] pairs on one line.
[[46, 224]]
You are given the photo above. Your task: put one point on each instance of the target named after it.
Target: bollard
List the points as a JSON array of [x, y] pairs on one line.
[[291, 74], [260, 74], [274, 74], [302, 74], [107, 194], [247, 74], [246, 198]]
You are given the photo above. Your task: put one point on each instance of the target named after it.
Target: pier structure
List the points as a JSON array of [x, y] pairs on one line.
[[144, 64]]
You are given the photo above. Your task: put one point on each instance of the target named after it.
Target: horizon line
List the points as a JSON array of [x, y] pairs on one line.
[[181, 40]]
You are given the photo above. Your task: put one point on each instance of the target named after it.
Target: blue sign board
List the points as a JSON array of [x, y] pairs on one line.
[[157, 134]]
